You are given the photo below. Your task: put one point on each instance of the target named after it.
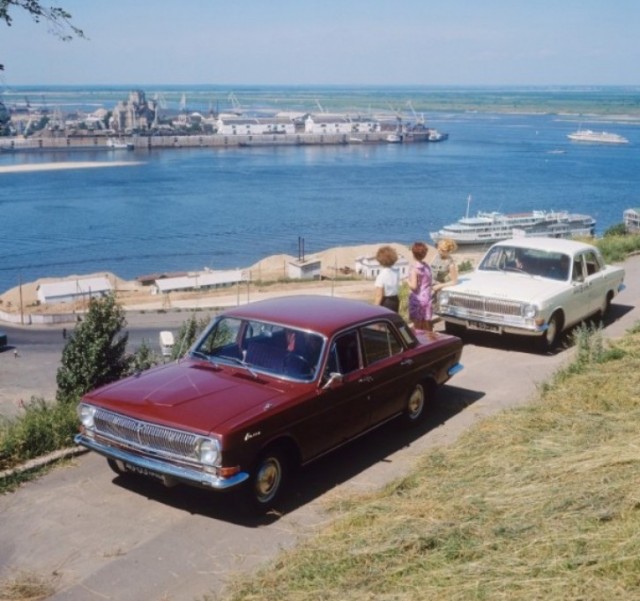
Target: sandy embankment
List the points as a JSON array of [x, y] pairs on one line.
[[133, 296]]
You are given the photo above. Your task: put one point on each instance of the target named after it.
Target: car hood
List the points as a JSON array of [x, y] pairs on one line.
[[190, 395], [508, 286]]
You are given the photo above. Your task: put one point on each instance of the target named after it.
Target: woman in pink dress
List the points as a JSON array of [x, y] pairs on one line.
[[420, 283]]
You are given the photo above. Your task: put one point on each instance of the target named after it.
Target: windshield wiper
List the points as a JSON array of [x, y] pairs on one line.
[[242, 363], [207, 358]]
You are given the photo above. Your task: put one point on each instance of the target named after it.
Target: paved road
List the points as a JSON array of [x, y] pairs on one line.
[[104, 538]]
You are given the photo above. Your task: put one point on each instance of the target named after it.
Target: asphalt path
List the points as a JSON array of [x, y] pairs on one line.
[[98, 536], [29, 363]]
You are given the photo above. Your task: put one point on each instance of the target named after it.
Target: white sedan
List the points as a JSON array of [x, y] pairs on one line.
[[532, 287]]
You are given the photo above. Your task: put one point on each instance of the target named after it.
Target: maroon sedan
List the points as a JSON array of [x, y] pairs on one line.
[[268, 386]]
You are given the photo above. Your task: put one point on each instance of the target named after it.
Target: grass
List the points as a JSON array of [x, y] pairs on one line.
[[539, 502], [616, 249], [26, 586], [42, 427]]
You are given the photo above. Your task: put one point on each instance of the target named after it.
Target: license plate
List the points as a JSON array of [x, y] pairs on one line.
[[484, 327], [143, 471]]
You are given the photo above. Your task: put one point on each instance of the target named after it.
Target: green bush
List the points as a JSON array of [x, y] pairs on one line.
[[44, 427]]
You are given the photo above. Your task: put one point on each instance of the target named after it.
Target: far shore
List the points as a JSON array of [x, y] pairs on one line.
[[65, 165]]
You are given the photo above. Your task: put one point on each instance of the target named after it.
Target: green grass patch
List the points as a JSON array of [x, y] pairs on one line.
[[617, 248], [41, 428], [539, 502]]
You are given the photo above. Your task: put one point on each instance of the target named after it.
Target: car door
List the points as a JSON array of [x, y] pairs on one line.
[[341, 410], [594, 280], [387, 370], [578, 302]]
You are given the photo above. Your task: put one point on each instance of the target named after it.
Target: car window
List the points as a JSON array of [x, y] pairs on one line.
[[576, 274], [222, 336], [344, 356], [379, 342], [591, 262]]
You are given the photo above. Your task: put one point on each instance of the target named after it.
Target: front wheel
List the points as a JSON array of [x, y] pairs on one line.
[[267, 480], [549, 339]]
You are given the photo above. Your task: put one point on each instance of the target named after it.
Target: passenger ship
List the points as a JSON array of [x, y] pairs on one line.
[[486, 228], [597, 137]]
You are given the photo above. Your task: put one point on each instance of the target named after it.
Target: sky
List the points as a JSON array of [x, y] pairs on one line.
[[323, 42]]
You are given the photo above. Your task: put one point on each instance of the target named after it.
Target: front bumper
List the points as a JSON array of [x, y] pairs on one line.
[[165, 471], [495, 324]]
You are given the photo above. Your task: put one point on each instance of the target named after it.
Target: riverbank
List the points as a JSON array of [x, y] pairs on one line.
[[20, 305]]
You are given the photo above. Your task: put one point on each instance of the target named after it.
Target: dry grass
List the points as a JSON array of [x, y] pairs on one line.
[[537, 503], [27, 587]]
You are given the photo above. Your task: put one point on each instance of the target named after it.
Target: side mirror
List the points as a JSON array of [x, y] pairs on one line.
[[335, 380]]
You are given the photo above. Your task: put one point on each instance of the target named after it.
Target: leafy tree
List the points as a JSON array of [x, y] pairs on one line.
[[144, 358], [189, 331], [59, 20], [95, 353]]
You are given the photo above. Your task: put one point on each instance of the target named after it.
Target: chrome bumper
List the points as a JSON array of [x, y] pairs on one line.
[[162, 469], [494, 326]]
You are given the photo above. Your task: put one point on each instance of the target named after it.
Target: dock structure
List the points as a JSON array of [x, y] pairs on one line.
[[139, 141]]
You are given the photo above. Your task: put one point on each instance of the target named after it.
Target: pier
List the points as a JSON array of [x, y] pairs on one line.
[[101, 142]]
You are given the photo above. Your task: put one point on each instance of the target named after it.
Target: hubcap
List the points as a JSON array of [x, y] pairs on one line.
[[416, 403], [268, 480]]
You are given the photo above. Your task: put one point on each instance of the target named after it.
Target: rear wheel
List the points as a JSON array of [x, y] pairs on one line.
[[416, 404], [606, 305]]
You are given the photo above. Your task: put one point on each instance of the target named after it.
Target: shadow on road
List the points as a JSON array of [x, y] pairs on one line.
[[317, 478]]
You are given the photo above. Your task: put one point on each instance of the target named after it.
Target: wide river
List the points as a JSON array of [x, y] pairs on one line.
[[181, 209]]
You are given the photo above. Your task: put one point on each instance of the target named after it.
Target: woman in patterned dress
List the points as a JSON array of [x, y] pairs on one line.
[[420, 281]]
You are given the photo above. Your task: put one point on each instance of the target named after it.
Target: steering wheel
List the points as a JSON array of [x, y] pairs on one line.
[[297, 364]]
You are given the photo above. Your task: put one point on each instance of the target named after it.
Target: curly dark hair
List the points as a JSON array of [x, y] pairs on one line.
[[419, 250], [386, 256]]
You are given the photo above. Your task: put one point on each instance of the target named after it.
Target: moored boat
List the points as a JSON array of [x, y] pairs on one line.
[[597, 137], [486, 228], [116, 144]]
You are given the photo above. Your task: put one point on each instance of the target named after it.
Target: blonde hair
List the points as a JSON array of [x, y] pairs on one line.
[[447, 245]]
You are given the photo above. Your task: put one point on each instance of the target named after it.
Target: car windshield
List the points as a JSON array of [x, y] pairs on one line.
[[530, 261], [262, 347]]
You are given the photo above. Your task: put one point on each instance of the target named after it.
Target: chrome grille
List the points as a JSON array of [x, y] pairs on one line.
[[146, 436], [479, 304]]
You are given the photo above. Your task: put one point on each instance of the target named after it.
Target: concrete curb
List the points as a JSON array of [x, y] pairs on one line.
[[39, 462]]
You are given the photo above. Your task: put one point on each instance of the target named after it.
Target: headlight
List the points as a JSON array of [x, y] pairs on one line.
[[530, 311], [208, 451], [443, 298], [86, 414]]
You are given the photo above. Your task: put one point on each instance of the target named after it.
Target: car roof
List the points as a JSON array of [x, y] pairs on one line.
[[323, 314], [560, 245]]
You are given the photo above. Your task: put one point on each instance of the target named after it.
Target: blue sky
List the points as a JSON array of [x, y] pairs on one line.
[[390, 42]]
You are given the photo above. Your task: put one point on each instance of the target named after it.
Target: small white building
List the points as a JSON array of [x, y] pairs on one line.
[[304, 270], [236, 126], [369, 268], [339, 124], [67, 291], [632, 220], [200, 280]]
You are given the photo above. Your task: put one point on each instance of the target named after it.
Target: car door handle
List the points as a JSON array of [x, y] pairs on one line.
[[365, 380], [406, 363]]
